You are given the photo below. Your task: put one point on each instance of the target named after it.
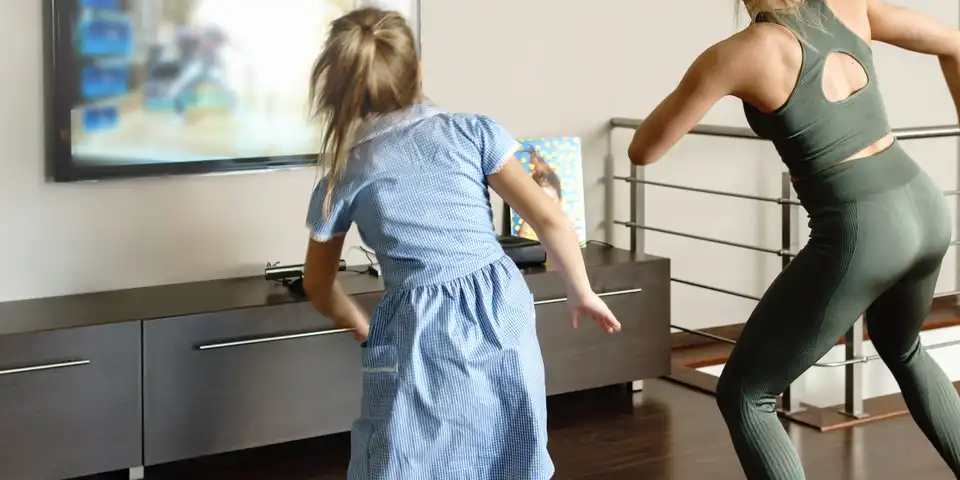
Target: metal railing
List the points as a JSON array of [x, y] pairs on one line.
[[854, 357]]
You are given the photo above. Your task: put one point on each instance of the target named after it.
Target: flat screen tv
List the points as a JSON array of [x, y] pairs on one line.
[[167, 87]]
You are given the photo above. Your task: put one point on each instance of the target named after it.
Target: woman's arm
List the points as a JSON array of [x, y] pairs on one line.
[[324, 291], [723, 69], [911, 30]]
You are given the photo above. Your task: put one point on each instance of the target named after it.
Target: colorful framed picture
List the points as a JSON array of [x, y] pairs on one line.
[[556, 164]]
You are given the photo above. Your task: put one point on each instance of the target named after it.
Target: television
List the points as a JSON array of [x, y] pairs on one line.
[[170, 87]]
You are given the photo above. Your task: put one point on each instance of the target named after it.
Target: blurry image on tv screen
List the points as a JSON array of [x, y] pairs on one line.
[[195, 80]]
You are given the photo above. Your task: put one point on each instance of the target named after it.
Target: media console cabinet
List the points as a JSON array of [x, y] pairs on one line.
[[126, 379]]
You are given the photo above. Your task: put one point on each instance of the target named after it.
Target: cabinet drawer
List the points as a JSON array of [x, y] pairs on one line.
[[246, 378], [589, 357], [70, 402]]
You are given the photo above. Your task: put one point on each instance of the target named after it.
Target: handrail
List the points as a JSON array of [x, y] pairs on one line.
[[705, 130], [916, 133], [779, 201], [782, 253], [716, 289], [707, 191], [844, 363], [912, 133]]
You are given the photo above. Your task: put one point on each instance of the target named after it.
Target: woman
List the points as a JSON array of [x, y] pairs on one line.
[[879, 225]]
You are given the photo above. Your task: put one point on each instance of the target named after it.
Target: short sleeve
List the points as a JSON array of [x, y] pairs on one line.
[[337, 222], [495, 142]]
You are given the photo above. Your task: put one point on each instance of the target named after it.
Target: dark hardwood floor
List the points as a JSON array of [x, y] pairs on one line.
[[666, 432]]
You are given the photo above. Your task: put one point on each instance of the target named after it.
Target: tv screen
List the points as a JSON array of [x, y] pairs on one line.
[[162, 87]]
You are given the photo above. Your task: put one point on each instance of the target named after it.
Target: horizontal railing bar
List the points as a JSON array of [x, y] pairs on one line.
[[704, 334], [707, 130], [871, 358], [704, 239], [948, 193], [701, 190], [852, 361], [751, 297], [715, 289], [913, 133], [916, 133]]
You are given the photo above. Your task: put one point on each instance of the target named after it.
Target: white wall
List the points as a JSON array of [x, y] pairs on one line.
[[541, 67]]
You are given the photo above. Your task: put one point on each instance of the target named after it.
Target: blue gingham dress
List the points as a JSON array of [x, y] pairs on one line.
[[453, 381]]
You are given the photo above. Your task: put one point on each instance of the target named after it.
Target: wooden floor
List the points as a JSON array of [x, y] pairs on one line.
[[666, 432]]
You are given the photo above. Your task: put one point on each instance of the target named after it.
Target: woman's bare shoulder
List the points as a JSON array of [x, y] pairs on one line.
[[762, 60], [752, 49]]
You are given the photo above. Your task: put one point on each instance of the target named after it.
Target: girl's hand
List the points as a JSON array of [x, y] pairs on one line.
[[590, 305], [361, 332], [359, 325]]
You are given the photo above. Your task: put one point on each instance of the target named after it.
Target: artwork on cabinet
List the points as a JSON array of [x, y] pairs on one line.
[[556, 164]]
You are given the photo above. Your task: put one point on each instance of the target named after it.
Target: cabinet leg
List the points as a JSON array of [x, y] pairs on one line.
[[638, 386], [137, 473]]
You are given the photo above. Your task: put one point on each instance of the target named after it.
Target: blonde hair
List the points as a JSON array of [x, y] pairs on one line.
[[369, 67], [776, 9]]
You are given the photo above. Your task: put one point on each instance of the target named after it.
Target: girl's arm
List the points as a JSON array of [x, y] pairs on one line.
[[553, 228], [324, 291]]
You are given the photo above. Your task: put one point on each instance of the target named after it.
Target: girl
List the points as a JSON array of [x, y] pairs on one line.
[[453, 381], [879, 226]]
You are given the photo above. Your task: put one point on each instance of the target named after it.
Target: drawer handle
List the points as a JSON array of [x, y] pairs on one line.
[[605, 294], [278, 338], [49, 366]]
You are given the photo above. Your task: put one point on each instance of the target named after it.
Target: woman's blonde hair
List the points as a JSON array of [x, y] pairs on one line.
[[369, 67], [776, 9]]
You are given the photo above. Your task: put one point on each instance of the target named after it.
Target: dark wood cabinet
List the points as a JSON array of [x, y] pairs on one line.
[[239, 379], [639, 295], [116, 380], [70, 402]]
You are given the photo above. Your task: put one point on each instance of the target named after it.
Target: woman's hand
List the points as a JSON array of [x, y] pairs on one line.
[[590, 305]]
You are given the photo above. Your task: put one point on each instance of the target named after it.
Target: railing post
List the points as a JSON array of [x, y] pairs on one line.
[[853, 372], [956, 224], [789, 402], [637, 213]]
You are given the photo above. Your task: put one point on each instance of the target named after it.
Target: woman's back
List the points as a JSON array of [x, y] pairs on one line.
[[819, 100]]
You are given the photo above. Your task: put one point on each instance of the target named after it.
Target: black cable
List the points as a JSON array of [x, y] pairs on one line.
[[370, 254], [598, 242]]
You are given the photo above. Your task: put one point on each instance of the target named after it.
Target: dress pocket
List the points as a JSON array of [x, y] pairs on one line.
[[380, 368]]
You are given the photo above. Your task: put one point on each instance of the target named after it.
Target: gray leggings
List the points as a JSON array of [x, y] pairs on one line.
[[879, 231]]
